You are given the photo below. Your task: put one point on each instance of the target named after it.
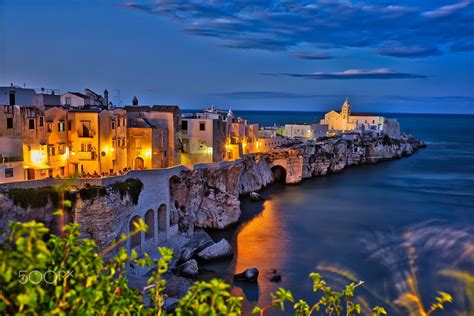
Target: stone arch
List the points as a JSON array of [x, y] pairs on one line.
[[150, 222], [135, 240], [279, 173], [139, 163], [162, 219]]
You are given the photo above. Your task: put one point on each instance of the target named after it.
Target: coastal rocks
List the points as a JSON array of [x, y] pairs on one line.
[[249, 275], [170, 304], [275, 278], [200, 241], [206, 198], [254, 196], [216, 251], [209, 197], [189, 269]]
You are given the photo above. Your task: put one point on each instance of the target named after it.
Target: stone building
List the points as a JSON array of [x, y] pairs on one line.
[[242, 137], [345, 120], [154, 136], [204, 137]]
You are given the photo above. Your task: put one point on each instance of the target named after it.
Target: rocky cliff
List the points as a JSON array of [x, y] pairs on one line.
[[209, 198]]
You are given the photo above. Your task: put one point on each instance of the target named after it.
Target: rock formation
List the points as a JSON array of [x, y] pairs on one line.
[[209, 198]]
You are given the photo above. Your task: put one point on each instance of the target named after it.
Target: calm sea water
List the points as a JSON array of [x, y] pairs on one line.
[[361, 223]]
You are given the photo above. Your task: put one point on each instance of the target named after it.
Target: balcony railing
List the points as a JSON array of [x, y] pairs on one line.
[[86, 155]]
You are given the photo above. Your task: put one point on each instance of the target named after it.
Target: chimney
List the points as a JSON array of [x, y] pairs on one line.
[[135, 101]]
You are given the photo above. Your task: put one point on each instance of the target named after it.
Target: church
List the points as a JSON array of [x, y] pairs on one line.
[[345, 121]]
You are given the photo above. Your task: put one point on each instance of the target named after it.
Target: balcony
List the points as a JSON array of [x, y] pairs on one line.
[[86, 155]]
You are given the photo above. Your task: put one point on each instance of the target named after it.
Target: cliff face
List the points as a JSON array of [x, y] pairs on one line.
[[101, 217], [209, 198]]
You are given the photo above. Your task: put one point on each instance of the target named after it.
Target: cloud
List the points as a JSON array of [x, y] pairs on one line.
[[312, 56], [380, 73], [447, 10], [415, 25], [397, 50]]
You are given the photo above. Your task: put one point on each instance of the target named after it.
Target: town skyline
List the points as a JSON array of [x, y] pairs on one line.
[[193, 55]]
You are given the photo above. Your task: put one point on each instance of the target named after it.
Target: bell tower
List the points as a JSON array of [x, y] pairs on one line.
[[346, 110]]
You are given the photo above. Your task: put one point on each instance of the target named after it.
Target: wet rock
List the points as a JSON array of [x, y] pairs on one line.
[[218, 250], [254, 196], [170, 304], [185, 254], [249, 275], [189, 269], [275, 278], [176, 286]]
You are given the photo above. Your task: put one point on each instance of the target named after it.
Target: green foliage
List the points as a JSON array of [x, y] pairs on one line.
[[42, 273], [209, 298], [132, 187]]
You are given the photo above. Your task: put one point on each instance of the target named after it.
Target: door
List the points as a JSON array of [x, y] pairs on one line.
[[139, 163]]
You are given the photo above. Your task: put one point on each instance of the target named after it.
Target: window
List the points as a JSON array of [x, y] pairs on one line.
[[9, 122], [138, 142], [12, 98], [50, 127], [86, 129], [113, 124], [61, 126], [8, 109], [8, 172], [86, 147], [51, 150], [31, 123], [118, 122], [202, 126], [69, 125], [184, 125], [41, 121], [373, 121], [61, 171], [61, 149], [68, 100]]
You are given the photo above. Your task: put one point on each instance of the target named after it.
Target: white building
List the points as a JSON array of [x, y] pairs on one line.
[[203, 137], [305, 131], [376, 125]]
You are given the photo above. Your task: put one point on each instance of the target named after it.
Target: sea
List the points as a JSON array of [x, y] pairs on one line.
[[390, 224]]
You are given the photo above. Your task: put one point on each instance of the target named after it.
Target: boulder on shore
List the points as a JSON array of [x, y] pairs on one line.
[[170, 304], [249, 275], [218, 250], [189, 269], [275, 278], [254, 196]]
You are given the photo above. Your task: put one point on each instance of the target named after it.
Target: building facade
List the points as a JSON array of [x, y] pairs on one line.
[[204, 137], [345, 120]]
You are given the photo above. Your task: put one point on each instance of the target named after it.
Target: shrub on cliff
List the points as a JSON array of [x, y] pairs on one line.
[[41, 274], [131, 186]]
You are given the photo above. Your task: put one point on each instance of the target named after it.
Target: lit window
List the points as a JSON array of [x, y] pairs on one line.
[[50, 127], [61, 126]]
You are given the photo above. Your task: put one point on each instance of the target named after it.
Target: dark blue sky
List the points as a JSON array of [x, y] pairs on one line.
[[405, 56]]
